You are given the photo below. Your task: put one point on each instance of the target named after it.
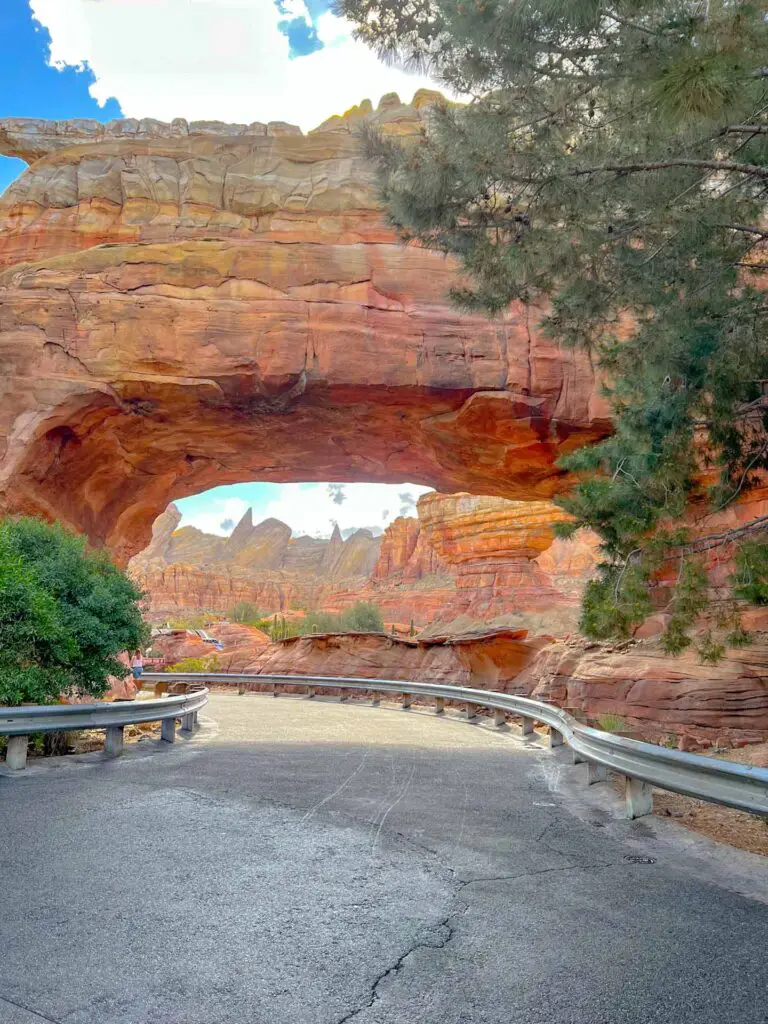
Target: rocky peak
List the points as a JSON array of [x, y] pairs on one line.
[[257, 547]]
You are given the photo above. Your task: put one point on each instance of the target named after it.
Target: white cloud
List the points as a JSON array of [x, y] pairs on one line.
[[307, 508], [310, 509], [215, 60], [210, 518]]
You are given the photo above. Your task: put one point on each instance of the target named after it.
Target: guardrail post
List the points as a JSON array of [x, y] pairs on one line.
[[16, 753], [555, 738], [168, 730], [526, 729], [596, 773], [188, 722], [638, 797], [406, 702], [470, 711], [196, 718], [310, 692], [439, 705], [113, 740], [344, 695], [499, 718], [576, 758], [275, 690], [376, 699], [240, 689]]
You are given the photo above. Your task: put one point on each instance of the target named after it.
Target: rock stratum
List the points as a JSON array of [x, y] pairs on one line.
[[189, 305], [464, 563]]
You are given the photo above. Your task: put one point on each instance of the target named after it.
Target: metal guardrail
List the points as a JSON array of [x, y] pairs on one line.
[[642, 765], [19, 723]]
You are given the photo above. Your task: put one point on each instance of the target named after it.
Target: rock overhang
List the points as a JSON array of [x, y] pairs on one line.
[[185, 306]]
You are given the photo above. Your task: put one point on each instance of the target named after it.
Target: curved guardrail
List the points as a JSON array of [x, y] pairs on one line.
[[642, 765], [18, 723]]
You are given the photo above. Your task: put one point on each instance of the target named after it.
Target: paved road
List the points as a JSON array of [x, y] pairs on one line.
[[310, 863]]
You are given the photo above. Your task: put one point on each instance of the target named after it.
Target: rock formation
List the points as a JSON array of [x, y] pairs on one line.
[[465, 563], [656, 694], [188, 305]]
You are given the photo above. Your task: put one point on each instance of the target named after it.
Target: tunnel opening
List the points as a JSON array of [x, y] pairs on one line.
[[429, 563]]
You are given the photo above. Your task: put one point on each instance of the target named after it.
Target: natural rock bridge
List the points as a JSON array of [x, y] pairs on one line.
[[187, 305]]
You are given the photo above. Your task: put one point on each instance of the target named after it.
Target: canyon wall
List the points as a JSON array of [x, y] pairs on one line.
[[463, 563], [187, 305]]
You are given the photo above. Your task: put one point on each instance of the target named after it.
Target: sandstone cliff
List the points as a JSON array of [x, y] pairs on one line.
[[464, 564], [188, 305]]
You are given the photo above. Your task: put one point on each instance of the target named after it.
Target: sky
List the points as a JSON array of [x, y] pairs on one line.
[[311, 509], [228, 60]]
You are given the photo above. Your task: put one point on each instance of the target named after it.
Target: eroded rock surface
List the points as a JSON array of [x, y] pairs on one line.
[[463, 564], [192, 305]]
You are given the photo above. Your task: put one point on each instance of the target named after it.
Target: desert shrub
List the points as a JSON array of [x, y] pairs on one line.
[[246, 612], [611, 723]]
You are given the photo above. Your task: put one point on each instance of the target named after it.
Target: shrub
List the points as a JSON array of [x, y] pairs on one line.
[[246, 612], [611, 723], [66, 613]]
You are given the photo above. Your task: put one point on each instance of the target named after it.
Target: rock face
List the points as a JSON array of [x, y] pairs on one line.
[[660, 698], [465, 563], [189, 305], [657, 694], [492, 661]]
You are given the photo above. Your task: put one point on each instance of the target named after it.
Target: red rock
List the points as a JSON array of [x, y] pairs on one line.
[[658, 694], [166, 330], [241, 644]]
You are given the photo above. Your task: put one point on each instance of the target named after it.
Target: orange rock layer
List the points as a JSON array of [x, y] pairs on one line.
[[464, 560], [189, 305]]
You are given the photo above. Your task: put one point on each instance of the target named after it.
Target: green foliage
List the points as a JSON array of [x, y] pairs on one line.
[[611, 723], [751, 575], [606, 171], [246, 612], [206, 663], [66, 613], [362, 617]]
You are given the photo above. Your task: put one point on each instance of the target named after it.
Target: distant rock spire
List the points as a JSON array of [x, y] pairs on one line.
[[333, 550]]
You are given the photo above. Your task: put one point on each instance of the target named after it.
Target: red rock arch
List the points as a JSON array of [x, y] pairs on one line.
[[191, 305]]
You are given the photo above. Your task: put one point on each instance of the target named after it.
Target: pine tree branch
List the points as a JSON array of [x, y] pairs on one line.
[[664, 165], [635, 25], [745, 129], [746, 229]]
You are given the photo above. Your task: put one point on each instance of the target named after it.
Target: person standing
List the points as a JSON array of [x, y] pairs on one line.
[[137, 668]]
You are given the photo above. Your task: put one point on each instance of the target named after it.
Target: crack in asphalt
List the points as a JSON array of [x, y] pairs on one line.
[[27, 1009], [450, 929]]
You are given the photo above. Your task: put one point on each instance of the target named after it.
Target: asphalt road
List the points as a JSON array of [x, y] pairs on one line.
[[302, 862]]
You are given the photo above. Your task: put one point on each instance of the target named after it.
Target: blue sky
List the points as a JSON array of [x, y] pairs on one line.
[[29, 87], [228, 60]]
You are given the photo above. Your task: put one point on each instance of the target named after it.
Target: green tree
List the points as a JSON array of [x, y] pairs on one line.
[[609, 174], [363, 617], [66, 613], [246, 612]]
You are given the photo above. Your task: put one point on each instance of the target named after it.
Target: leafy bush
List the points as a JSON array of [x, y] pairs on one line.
[[66, 613], [246, 612], [362, 617]]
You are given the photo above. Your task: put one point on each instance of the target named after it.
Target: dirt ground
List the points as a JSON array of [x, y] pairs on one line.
[[736, 828]]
